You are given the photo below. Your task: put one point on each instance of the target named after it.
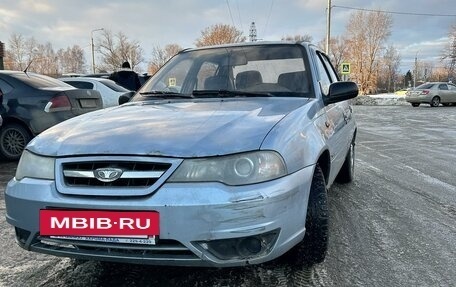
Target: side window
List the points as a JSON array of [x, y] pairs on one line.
[[325, 80], [5, 87], [329, 68], [443, 87]]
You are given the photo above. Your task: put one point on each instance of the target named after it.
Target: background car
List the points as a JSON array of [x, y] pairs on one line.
[[109, 90], [142, 77], [31, 103], [401, 92], [432, 93]]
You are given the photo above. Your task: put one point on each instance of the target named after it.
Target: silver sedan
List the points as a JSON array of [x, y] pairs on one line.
[[433, 93]]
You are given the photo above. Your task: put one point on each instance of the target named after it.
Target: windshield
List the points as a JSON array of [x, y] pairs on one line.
[[271, 70]]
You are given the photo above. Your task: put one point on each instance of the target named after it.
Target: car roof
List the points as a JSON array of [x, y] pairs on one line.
[[248, 44], [12, 72], [84, 79]]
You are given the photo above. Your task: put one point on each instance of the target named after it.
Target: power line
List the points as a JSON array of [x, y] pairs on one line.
[[395, 12], [267, 19], [239, 15], [231, 15]]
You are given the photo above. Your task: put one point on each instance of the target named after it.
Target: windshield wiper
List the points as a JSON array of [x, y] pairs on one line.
[[228, 93], [165, 94]]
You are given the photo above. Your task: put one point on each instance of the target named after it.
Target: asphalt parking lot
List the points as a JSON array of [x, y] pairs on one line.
[[395, 225]]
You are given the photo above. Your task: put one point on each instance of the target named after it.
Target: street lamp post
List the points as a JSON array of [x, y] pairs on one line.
[[92, 46], [328, 26]]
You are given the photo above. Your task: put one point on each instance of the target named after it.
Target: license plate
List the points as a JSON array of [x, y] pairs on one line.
[[88, 103], [150, 240], [99, 223]]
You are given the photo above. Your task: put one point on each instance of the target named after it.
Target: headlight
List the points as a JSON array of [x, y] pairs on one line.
[[239, 169], [34, 166]]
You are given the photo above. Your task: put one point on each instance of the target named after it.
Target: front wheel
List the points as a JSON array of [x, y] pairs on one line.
[[312, 249], [435, 102], [13, 139]]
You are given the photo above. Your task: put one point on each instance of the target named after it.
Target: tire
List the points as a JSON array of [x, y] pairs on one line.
[[415, 105], [312, 249], [347, 172], [435, 102], [13, 139]]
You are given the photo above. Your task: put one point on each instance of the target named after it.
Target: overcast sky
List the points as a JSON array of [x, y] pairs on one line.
[[153, 23]]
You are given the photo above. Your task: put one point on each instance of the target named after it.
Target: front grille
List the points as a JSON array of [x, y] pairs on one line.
[[134, 174]]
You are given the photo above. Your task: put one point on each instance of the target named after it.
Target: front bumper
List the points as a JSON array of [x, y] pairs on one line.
[[193, 217]]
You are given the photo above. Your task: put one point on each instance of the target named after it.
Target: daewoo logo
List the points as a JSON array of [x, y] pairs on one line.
[[108, 174]]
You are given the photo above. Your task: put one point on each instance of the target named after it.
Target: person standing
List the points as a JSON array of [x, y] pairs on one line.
[[126, 77]]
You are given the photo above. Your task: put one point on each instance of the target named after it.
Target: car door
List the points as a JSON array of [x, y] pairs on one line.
[[444, 93], [338, 141]]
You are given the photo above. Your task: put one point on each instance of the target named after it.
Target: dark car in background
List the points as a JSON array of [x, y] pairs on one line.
[[31, 103], [432, 93]]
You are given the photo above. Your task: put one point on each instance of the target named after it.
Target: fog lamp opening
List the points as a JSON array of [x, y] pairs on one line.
[[242, 247]]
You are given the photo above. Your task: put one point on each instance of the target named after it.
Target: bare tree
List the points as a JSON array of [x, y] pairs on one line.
[[161, 55], [338, 51], [366, 34], [390, 68], [45, 60], [449, 53], [116, 49], [72, 60], [298, 38], [19, 52], [219, 34]]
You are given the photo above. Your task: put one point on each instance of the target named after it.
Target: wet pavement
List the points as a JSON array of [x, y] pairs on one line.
[[395, 225]]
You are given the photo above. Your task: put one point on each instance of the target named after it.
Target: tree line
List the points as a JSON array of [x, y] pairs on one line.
[[374, 64]]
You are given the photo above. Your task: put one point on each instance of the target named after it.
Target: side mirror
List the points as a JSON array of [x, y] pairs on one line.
[[341, 91], [125, 98]]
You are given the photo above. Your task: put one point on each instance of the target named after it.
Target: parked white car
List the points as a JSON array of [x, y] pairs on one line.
[[109, 90]]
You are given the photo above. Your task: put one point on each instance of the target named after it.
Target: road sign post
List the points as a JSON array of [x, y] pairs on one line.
[[345, 70]]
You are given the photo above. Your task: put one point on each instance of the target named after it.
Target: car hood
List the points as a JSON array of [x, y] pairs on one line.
[[196, 128]]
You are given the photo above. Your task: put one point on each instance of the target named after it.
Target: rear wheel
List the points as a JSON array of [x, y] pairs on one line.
[[415, 105], [13, 139], [347, 172], [313, 248], [435, 102]]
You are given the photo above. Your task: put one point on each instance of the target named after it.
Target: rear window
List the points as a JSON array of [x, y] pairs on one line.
[[81, 85], [39, 81], [113, 86], [425, 86]]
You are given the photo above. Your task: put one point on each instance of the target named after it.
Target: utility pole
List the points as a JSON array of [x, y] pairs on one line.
[[253, 32], [416, 70], [92, 46], [2, 54], [328, 26]]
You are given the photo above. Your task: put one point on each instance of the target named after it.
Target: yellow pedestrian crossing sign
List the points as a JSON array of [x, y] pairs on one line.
[[345, 68]]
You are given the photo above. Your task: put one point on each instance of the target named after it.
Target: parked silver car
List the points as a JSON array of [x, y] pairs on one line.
[[433, 93], [223, 158]]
